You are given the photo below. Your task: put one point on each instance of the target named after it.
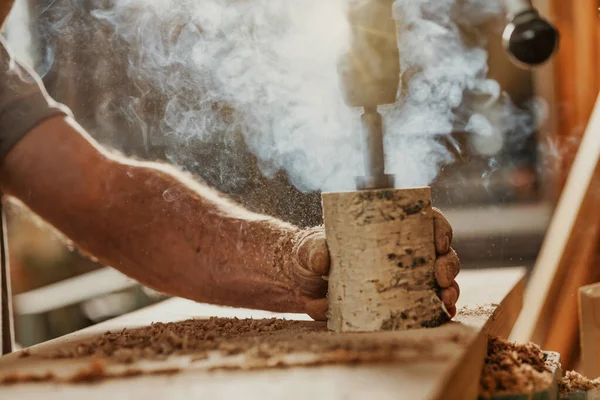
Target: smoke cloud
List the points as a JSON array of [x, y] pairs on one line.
[[268, 68]]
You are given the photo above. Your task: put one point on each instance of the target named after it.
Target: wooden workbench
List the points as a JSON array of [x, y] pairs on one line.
[[453, 376]]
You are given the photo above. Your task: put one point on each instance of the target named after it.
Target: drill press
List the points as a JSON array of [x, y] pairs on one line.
[[370, 76], [380, 238], [370, 71]]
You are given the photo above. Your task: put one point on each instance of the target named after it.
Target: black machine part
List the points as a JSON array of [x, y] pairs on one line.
[[529, 39]]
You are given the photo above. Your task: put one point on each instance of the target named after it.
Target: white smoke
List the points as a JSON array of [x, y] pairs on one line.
[[274, 62], [18, 35]]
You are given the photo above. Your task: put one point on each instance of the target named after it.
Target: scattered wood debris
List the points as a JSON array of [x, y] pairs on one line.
[[513, 369], [260, 339], [479, 311], [26, 378], [575, 382], [265, 343]]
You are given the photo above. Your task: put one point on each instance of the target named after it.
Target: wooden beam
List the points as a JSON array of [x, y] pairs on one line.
[[589, 328], [585, 80], [565, 259], [564, 338]]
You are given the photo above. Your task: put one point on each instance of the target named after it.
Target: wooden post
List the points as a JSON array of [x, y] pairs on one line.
[[589, 329], [382, 253]]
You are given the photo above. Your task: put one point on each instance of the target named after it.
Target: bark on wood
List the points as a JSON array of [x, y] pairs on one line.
[[589, 329], [382, 252]]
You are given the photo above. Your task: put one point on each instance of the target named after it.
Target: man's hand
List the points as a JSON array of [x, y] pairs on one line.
[[312, 264], [309, 269], [447, 265]]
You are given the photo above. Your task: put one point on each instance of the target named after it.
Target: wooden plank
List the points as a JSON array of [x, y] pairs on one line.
[[585, 21], [571, 237], [565, 339], [455, 375], [589, 328]]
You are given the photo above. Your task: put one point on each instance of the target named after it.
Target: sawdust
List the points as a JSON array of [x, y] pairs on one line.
[[479, 311], [24, 353], [513, 369], [265, 343], [258, 339], [575, 382], [262, 343], [95, 372], [13, 379], [160, 340]]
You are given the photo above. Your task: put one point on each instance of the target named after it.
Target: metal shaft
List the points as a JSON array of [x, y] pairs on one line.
[[372, 139], [373, 154]]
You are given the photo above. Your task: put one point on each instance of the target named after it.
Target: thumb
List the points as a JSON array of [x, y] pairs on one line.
[[312, 251]]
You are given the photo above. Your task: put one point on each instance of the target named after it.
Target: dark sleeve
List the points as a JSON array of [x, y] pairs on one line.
[[19, 119]]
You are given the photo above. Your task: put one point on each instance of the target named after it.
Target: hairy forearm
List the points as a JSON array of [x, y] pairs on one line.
[[151, 222]]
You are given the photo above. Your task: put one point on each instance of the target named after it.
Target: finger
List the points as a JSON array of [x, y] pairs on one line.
[[452, 311], [450, 295], [446, 268], [317, 309], [313, 253], [442, 232]]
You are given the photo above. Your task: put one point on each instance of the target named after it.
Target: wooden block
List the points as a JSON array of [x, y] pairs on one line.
[[589, 329], [382, 253]]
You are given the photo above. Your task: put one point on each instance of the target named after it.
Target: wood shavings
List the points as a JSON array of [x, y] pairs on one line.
[[479, 311], [25, 378], [222, 343], [513, 369], [95, 372], [575, 382], [260, 339]]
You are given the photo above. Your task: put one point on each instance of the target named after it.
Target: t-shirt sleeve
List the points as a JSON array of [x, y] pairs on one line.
[[18, 121]]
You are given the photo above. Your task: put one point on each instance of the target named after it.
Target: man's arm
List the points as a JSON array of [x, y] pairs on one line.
[[161, 227], [156, 224]]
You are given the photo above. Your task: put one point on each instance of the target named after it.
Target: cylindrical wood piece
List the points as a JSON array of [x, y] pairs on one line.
[[381, 245], [589, 329]]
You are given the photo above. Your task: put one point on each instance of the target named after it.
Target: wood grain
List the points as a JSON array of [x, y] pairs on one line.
[[575, 75], [456, 374], [589, 328]]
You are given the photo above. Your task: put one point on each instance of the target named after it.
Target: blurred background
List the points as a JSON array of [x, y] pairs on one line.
[[498, 192]]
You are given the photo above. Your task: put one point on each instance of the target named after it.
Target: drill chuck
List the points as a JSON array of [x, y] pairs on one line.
[[370, 71]]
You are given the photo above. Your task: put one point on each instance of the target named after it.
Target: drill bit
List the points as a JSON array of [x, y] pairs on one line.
[[373, 154]]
